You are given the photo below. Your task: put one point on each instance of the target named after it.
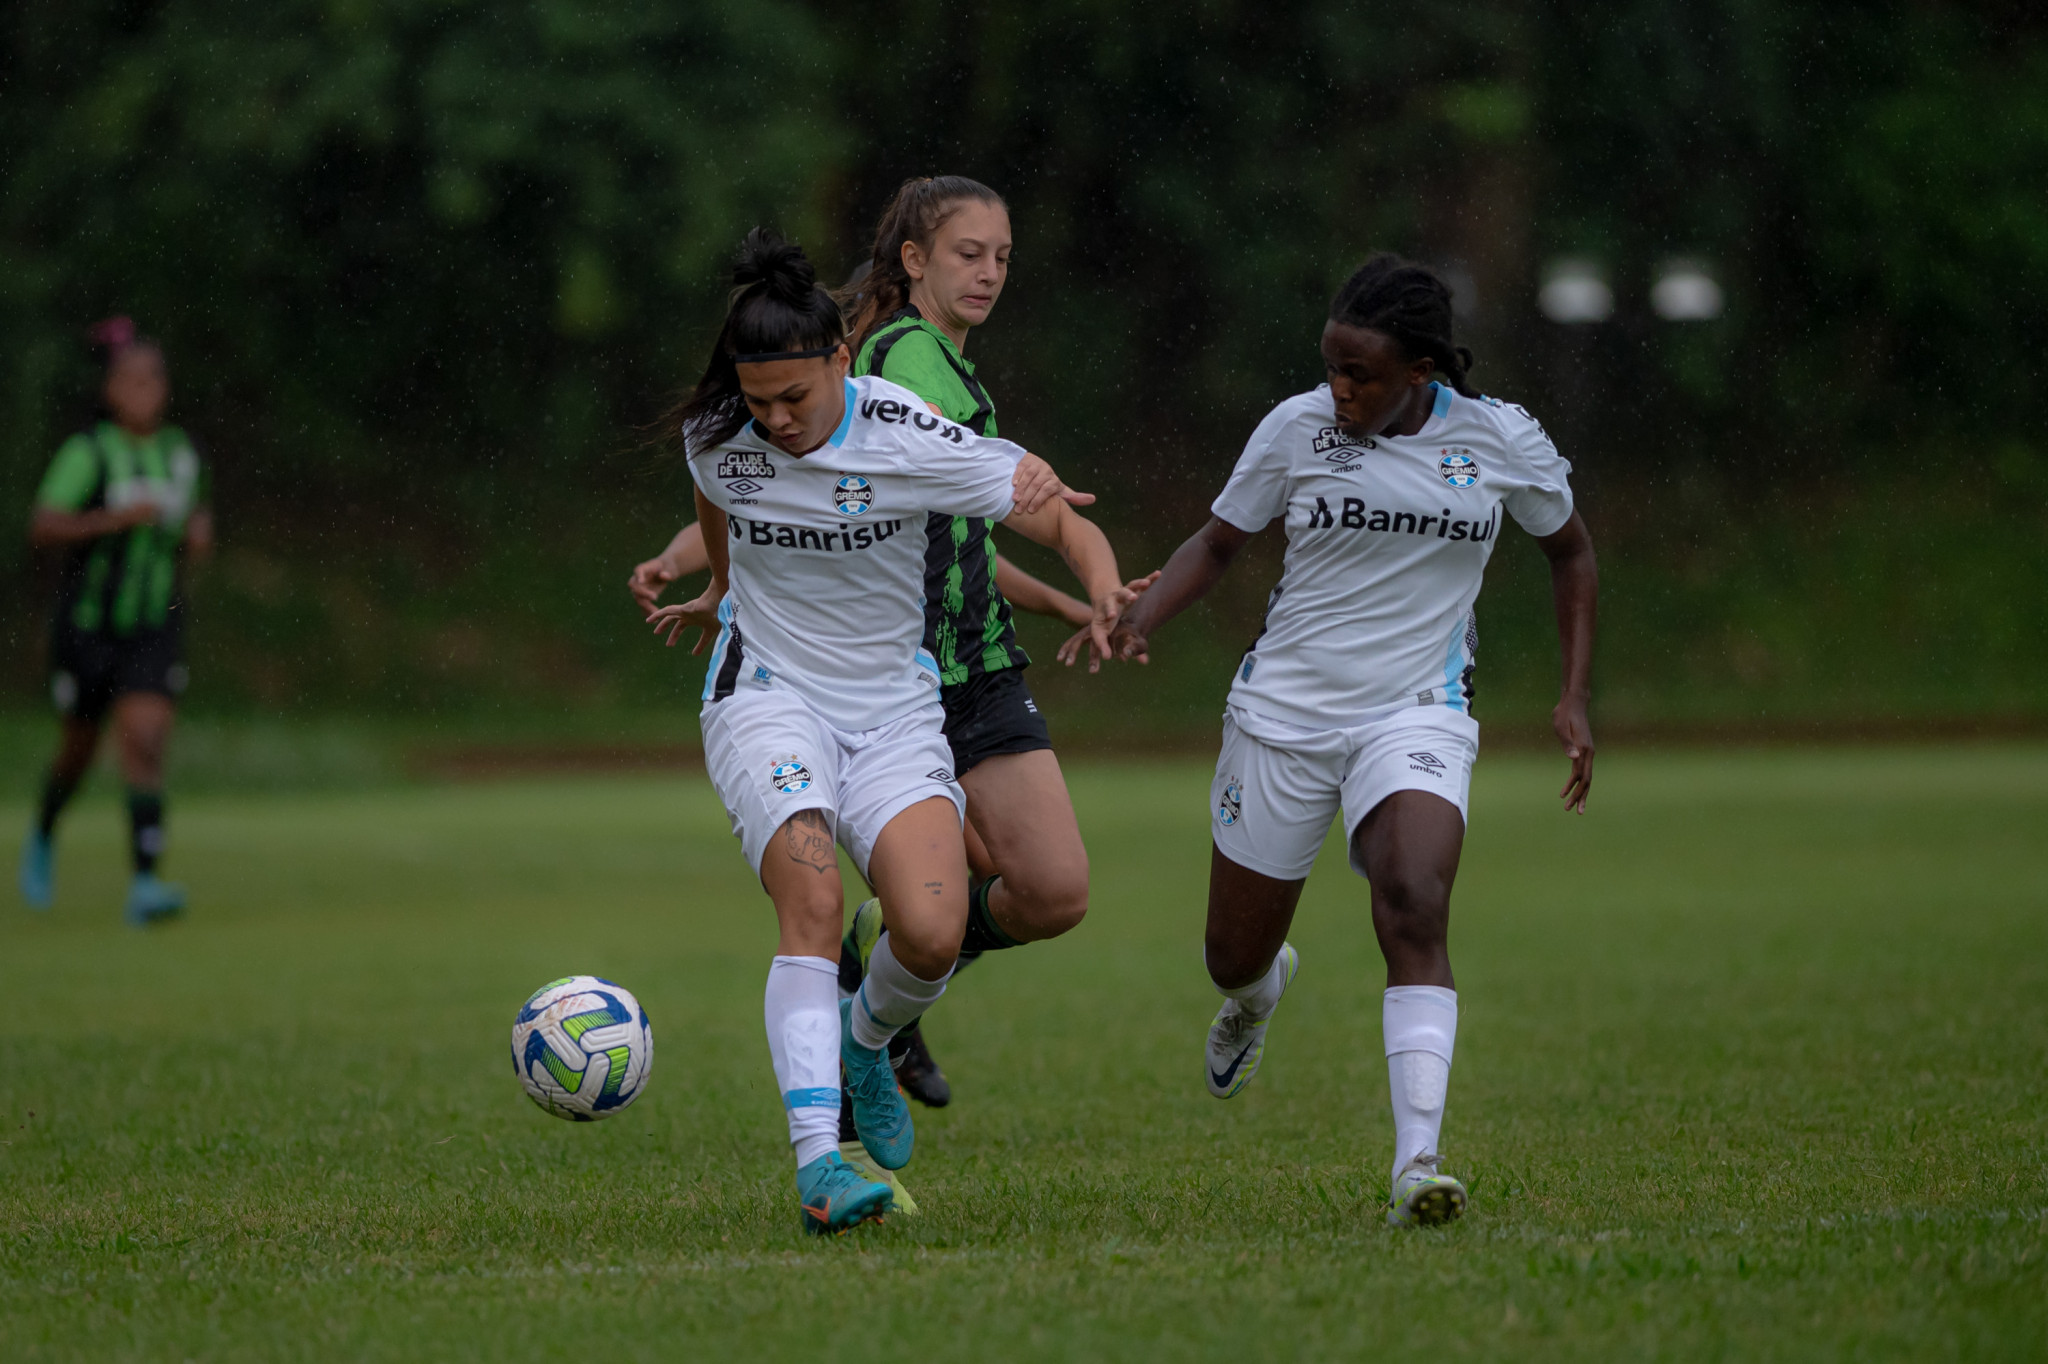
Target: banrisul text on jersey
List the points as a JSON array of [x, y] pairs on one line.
[[828, 552], [1387, 541]]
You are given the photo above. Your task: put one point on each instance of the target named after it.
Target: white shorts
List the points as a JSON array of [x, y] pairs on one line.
[[770, 755], [1278, 786]]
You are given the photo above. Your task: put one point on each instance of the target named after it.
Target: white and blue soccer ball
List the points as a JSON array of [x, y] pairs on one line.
[[582, 1047]]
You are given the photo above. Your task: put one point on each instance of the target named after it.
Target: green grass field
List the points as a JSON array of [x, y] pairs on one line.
[[1751, 1067]]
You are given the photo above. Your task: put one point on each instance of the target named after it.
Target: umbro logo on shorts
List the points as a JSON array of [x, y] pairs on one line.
[[939, 774], [1428, 763]]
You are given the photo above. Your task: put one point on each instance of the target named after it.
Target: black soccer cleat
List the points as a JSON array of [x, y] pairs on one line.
[[917, 1074]]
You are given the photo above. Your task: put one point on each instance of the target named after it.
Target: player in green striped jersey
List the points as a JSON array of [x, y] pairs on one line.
[[126, 500]]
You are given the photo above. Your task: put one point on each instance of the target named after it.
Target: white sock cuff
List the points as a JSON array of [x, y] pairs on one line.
[[824, 964], [890, 997], [1258, 991], [1420, 1018]]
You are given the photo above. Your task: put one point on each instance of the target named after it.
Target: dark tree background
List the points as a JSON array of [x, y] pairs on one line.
[[426, 267]]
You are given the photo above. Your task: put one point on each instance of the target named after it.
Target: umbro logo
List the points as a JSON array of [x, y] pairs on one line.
[[745, 487], [939, 774], [1339, 446], [1427, 762]]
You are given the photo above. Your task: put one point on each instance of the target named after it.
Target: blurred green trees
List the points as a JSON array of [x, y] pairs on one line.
[[425, 266]]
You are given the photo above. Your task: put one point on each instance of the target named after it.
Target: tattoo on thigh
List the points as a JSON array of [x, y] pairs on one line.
[[810, 841], [936, 887]]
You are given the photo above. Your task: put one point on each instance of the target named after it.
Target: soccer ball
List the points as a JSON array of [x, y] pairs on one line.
[[583, 1048]]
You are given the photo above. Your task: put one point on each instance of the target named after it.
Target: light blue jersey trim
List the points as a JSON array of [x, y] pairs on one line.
[[1454, 664], [1442, 406], [845, 422], [927, 662], [718, 648], [811, 1098]]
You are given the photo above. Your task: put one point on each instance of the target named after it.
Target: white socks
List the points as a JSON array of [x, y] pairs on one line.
[[890, 997], [1421, 1023], [802, 1012], [1262, 996]]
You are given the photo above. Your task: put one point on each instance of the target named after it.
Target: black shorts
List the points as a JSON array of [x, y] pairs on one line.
[[991, 714], [89, 670]]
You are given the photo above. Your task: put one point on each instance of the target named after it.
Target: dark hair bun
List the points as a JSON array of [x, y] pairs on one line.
[[765, 258]]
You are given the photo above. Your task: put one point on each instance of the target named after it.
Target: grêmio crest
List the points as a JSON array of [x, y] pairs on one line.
[[1337, 445]]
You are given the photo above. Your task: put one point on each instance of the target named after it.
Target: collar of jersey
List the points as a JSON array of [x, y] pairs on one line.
[[846, 420]]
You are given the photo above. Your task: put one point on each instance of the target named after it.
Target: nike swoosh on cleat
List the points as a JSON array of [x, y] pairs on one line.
[[1223, 1081]]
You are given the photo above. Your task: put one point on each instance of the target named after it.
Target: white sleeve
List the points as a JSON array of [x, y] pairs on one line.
[[1257, 490], [965, 476], [1539, 492]]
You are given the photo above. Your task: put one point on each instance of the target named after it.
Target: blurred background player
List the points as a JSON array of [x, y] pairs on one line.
[[126, 501], [822, 721], [1389, 482], [941, 258]]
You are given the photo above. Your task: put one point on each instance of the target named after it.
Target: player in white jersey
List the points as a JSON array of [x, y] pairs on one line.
[[821, 718], [1390, 482]]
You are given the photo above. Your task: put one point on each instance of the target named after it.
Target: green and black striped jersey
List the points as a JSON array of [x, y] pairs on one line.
[[125, 582], [967, 625]]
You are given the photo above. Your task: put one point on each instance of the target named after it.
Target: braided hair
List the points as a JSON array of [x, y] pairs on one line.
[[776, 306], [1410, 303], [921, 207]]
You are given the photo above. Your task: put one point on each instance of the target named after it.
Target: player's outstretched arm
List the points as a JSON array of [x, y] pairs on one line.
[[685, 555], [1575, 588], [1037, 596], [1086, 549], [1195, 567], [1034, 484], [703, 611]]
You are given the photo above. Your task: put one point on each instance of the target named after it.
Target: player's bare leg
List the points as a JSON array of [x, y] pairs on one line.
[[919, 871], [1409, 845], [800, 872], [1250, 962], [1019, 806]]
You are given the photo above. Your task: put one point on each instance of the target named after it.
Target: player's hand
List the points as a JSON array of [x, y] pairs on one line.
[[649, 580], [1575, 732], [141, 512], [1095, 634], [1127, 645], [702, 613], [1035, 484]]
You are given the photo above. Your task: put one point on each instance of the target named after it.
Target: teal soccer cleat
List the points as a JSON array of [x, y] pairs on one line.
[[835, 1199], [152, 901], [38, 870], [880, 1116]]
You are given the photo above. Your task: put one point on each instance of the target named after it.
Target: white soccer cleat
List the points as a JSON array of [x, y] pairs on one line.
[[1424, 1198], [1237, 1041]]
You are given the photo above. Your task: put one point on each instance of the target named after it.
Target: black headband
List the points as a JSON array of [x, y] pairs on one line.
[[765, 356]]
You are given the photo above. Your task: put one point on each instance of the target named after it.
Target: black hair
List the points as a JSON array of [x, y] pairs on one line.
[[921, 207], [776, 307], [1410, 303]]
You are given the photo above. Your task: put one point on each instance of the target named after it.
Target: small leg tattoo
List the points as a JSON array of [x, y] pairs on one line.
[[810, 841], [936, 887]]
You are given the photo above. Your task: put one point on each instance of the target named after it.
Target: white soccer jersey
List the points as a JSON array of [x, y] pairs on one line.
[[827, 584], [1387, 537]]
